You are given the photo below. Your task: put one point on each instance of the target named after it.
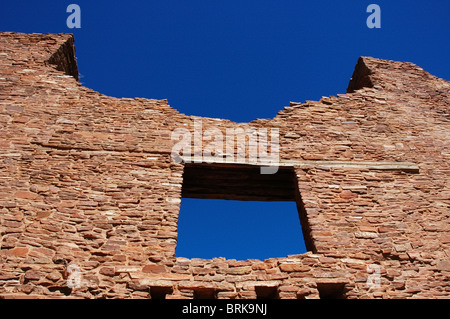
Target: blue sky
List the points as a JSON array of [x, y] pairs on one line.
[[238, 60]]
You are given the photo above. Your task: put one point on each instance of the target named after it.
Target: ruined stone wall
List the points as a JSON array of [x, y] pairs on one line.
[[88, 187]]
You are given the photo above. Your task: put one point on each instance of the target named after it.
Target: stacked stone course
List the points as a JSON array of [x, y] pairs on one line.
[[88, 180]]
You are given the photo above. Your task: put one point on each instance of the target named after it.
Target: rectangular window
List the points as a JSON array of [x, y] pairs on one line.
[[237, 213]]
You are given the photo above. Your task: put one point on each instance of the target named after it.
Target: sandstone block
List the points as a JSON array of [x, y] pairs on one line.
[[25, 195], [293, 267], [154, 268]]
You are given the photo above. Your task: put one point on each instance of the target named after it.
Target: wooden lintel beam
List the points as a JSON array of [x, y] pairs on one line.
[[403, 166]]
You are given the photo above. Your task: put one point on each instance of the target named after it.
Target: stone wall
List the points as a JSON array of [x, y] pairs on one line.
[[90, 195]]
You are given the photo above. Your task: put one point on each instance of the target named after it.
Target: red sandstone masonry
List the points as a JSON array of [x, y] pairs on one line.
[[88, 180]]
